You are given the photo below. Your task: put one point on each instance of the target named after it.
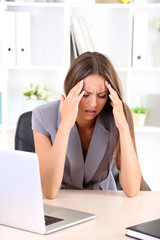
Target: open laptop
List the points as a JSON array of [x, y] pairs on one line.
[[21, 201]]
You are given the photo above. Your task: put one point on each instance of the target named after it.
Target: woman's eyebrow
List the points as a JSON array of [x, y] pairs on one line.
[[98, 93], [102, 92]]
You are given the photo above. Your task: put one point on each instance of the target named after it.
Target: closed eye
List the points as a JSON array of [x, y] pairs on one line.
[[102, 96], [86, 95]]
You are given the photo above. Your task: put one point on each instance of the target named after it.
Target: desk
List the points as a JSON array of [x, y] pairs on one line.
[[114, 212]]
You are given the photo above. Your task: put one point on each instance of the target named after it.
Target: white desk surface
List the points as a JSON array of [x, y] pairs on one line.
[[114, 212]]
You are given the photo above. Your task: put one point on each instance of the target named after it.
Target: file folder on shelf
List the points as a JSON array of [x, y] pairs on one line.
[[8, 39], [140, 39], [23, 41]]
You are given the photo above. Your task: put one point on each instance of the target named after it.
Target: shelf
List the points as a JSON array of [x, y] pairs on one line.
[[147, 129], [37, 68], [11, 127], [31, 4], [60, 68], [146, 5], [145, 69], [108, 5], [137, 69]]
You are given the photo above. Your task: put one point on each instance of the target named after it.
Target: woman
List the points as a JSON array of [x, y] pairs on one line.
[[78, 138]]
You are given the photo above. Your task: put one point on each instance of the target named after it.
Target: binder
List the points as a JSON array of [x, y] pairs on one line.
[[81, 34], [23, 38], [79, 38], [86, 34], [148, 230], [140, 39], [8, 39], [75, 50]]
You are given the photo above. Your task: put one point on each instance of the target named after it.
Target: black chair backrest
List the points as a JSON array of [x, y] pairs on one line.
[[24, 135], [115, 173]]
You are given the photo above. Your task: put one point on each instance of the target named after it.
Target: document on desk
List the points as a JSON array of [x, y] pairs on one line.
[[147, 231]]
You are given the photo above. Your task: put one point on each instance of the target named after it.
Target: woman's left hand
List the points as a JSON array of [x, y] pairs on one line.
[[116, 103]]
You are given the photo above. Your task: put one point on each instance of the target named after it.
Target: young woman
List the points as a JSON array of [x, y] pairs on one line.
[[78, 138]]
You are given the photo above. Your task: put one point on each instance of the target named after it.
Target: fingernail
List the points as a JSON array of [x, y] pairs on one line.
[[109, 85], [81, 82]]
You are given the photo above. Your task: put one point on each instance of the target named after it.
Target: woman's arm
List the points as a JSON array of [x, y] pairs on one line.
[[129, 167], [52, 157], [51, 160], [130, 172]]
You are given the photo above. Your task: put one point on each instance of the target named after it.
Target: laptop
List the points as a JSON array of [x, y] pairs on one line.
[[21, 200]]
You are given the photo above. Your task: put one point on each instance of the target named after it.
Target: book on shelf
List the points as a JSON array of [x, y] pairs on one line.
[[75, 50], [0, 108], [81, 38], [147, 230]]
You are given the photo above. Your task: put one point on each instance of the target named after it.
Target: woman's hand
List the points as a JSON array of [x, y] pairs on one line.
[[69, 105], [116, 103]]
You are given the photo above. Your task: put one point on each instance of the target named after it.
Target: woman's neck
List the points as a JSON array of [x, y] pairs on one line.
[[85, 129], [82, 124]]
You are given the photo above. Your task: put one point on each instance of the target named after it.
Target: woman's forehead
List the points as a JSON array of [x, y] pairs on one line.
[[93, 82]]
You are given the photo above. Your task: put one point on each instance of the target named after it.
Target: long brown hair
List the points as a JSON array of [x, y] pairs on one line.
[[96, 63]]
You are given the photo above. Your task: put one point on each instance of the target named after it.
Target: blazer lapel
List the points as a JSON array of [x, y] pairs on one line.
[[75, 157], [97, 148]]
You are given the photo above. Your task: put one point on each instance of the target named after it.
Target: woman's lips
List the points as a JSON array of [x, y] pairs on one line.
[[90, 112]]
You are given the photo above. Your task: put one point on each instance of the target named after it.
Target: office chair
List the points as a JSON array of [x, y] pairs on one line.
[[24, 136], [115, 173]]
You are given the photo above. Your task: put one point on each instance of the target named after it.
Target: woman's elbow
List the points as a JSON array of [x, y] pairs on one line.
[[50, 195], [132, 192]]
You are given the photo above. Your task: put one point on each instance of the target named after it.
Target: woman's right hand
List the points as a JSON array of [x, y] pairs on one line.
[[69, 105]]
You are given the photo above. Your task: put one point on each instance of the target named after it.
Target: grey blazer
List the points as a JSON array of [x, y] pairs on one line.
[[94, 172]]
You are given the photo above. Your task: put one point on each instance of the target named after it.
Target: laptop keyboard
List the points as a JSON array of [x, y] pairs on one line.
[[50, 220]]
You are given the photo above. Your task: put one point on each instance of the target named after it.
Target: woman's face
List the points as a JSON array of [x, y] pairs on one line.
[[95, 97]]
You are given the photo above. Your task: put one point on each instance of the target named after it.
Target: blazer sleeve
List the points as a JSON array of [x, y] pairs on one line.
[[37, 122], [46, 119]]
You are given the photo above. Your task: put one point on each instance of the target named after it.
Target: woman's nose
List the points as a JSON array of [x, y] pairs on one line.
[[93, 101]]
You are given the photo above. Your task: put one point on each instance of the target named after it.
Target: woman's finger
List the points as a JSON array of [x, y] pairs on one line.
[[110, 89], [75, 91], [113, 94], [81, 95]]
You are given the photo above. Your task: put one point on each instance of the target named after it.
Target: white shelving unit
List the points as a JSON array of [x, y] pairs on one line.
[[49, 54], [112, 29]]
